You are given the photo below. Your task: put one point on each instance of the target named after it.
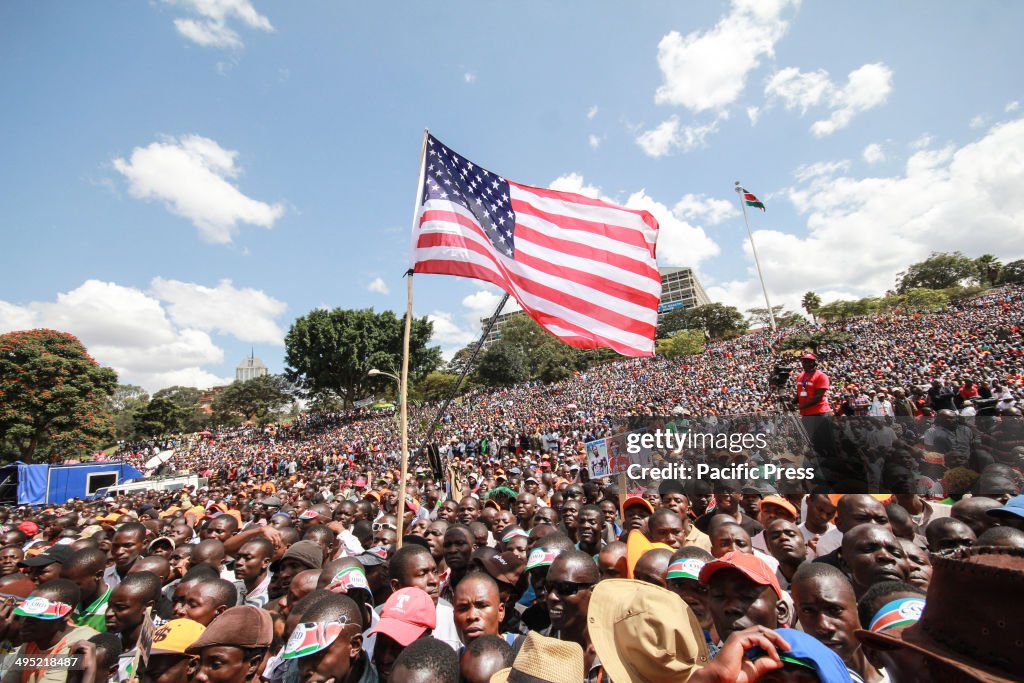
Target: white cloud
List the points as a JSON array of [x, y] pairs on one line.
[[450, 335], [669, 136], [192, 177], [866, 88], [469, 77], [208, 25], [709, 69], [1011, 106], [861, 231], [594, 141], [821, 168], [679, 242], [592, 112], [874, 153], [573, 182], [977, 122], [126, 329], [799, 90], [754, 114], [706, 209], [246, 314], [378, 286]]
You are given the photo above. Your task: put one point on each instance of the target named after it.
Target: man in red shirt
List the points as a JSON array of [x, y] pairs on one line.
[[812, 386], [812, 401]]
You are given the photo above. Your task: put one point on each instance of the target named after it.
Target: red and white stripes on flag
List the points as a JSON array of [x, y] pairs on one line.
[[584, 269]]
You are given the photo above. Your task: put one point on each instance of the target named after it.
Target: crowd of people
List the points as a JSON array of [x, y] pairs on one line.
[[296, 560]]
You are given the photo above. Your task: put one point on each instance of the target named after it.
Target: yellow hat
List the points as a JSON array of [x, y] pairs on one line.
[[637, 632], [545, 659], [177, 634], [636, 546]]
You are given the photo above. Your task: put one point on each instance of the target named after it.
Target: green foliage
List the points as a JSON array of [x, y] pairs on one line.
[[682, 343], [1013, 272], [542, 356], [501, 364], [54, 398], [193, 418], [334, 351], [924, 300], [125, 404], [159, 417], [989, 269], [437, 385], [717, 321], [940, 270], [811, 302], [261, 400], [782, 318]]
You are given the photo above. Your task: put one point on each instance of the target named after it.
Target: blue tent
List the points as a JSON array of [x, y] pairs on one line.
[[23, 484]]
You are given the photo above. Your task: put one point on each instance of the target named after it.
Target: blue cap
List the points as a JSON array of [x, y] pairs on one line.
[[808, 651], [1014, 506]]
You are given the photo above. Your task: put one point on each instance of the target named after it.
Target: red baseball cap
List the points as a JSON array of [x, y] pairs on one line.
[[753, 567], [637, 500], [28, 528], [808, 356], [406, 615]]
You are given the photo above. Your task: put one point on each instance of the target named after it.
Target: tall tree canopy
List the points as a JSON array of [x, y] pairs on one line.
[[526, 352], [941, 270], [717, 321], [54, 398], [332, 351], [260, 399]]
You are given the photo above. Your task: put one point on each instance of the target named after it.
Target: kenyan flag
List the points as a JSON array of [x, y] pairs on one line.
[[751, 200]]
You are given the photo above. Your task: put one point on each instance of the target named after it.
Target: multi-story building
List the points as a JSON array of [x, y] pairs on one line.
[[680, 288]]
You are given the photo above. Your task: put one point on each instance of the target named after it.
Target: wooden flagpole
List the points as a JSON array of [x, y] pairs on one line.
[[404, 382]]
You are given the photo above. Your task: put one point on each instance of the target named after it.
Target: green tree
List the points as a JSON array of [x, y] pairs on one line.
[[334, 350], [811, 302], [716, 320], [783, 318], [54, 398], [1013, 272], [925, 300], [126, 403], [437, 385], [939, 271], [261, 399], [160, 417], [547, 358], [192, 417], [682, 343], [989, 268], [501, 364], [672, 322]]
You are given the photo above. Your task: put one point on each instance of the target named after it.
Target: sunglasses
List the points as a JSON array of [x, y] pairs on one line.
[[566, 589], [377, 526]]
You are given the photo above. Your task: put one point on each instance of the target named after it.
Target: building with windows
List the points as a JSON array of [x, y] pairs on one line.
[[250, 368], [495, 333], [680, 288]]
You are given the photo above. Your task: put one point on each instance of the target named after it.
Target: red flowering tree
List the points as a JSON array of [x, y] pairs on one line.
[[53, 397]]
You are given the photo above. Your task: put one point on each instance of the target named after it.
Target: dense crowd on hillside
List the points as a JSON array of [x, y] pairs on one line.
[[510, 563]]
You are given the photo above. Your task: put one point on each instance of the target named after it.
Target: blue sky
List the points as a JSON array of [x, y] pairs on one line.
[[183, 178]]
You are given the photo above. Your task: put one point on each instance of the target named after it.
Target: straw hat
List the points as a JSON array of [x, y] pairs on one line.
[[544, 660], [643, 632]]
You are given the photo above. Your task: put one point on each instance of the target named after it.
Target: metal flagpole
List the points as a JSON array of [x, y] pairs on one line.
[[753, 248], [404, 383]]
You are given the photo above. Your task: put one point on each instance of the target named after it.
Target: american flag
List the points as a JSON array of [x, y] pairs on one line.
[[584, 269]]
